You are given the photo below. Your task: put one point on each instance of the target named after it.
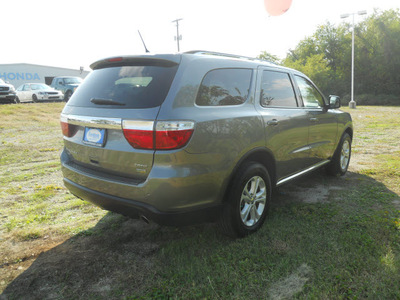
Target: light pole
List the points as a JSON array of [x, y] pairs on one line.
[[352, 103], [178, 37]]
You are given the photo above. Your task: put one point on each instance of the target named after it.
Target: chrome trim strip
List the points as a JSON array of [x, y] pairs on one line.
[[306, 148], [138, 125], [302, 172], [98, 122]]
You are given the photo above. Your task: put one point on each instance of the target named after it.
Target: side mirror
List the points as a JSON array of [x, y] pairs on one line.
[[334, 101]]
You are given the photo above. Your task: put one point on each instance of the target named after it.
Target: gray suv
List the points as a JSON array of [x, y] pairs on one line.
[[197, 137]]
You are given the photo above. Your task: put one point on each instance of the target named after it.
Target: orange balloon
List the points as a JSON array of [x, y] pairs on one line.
[[277, 7]]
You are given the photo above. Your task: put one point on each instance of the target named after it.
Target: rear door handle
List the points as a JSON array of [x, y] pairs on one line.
[[273, 122], [314, 120]]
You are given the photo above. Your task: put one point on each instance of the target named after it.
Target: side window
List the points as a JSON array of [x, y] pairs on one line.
[[277, 90], [311, 97], [224, 87]]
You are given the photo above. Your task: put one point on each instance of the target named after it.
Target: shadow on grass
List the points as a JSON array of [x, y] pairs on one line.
[[336, 229], [117, 257]]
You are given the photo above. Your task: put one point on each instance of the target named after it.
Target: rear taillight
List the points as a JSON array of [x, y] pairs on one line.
[[165, 135], [68, 130]]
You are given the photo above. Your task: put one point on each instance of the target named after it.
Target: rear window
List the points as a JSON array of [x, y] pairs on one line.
[[224, 87], [127, 86]]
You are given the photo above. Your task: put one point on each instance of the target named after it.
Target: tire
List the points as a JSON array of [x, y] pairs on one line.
[[16, 100], [341, 159], [248, 201], [67, 95], [34, 98]]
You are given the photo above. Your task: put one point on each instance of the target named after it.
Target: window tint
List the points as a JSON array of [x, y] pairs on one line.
[[224, 87], [131, 86], [277, 90], [311, 97]]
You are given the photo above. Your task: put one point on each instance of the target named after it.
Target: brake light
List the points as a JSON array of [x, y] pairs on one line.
[[114, 59], [165, 135], [68, 130]]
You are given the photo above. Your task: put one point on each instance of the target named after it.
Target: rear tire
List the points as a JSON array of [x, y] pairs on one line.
[[34, 98], [248, 201], [67, 95], [16, 100], [341, 159]]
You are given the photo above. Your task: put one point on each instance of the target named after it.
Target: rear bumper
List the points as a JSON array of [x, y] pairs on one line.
[[137, 209]]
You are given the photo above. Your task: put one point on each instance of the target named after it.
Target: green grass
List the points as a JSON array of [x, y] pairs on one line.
[[347, 249], [345, 246], [31, 189]]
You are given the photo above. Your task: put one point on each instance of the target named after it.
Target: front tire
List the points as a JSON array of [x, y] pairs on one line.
[[341, 159], [248, 201]]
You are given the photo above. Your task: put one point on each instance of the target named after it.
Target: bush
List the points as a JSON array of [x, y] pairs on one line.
[[368, 99]]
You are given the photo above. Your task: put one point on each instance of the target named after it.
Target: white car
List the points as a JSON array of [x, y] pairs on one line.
[[37, 92]]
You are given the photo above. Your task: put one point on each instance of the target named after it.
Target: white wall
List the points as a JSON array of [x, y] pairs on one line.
[[18, 74]]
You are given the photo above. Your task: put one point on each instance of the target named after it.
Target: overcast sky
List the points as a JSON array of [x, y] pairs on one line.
[[75, 33]]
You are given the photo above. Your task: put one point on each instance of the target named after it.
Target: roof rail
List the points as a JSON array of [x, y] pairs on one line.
[[227, 55]]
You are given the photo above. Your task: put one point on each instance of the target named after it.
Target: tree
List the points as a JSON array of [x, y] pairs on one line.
[[325, 57], [378, 50], [269, 57]]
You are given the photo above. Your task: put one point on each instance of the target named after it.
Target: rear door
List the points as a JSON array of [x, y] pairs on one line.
[[113, 104], [286, 124]]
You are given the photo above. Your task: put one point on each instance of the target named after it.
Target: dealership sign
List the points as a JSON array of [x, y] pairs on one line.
[[19, 76]]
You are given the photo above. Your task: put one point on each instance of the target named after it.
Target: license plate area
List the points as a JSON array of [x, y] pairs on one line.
[[94, 136]]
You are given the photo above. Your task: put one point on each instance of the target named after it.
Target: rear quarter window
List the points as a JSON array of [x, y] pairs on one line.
[[222, 87], [131, 86]]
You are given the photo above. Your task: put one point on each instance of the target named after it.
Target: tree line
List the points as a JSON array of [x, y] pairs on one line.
[[325, 57]]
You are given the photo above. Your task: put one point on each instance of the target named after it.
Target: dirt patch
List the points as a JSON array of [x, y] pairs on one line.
[[291, 285]]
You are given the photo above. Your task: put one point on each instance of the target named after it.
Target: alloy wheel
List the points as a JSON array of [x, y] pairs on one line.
[[253, 201]]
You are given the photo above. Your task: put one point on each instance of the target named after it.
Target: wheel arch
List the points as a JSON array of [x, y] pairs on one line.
[[261, 155], [348, 130]]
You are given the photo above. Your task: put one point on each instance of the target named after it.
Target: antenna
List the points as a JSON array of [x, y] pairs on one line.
[[145, 48]]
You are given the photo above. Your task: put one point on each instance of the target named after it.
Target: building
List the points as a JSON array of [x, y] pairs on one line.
[[18, 74]]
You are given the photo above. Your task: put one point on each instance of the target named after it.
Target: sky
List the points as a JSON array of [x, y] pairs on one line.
[[76, 33]]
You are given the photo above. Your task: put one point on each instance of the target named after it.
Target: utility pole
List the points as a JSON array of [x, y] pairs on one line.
[[178, 37]]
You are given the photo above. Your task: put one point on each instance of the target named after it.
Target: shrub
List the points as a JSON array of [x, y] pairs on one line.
[[369, 99]]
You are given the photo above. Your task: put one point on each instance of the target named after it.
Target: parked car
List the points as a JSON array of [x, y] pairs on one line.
[[197, 136], [38, 92], [66, 84], [7, 92]]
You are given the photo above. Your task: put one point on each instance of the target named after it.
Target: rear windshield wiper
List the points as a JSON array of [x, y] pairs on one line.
[[106, 102]]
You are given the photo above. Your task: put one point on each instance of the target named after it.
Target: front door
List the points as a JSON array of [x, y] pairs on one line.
[[322, 122]]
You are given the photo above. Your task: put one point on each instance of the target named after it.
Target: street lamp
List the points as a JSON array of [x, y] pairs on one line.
[[352, 103]]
